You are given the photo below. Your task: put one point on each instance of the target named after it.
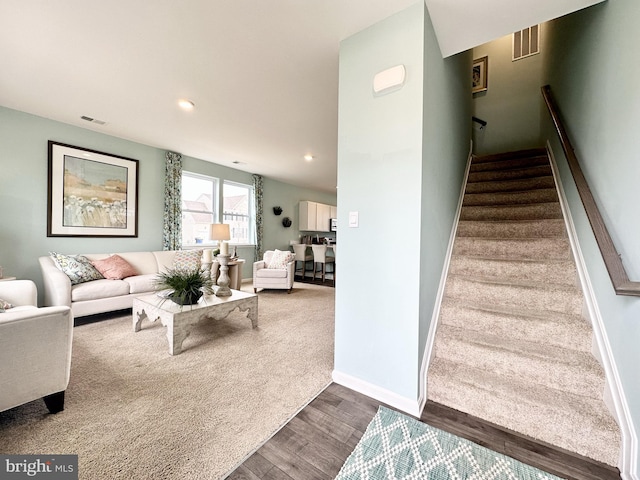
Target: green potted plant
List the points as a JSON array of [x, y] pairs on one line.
[[184, 287]]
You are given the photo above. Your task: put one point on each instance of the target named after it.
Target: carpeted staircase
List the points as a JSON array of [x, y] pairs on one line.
[[512, 345]]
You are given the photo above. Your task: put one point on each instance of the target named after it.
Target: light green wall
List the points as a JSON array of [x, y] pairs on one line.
[[592, 67], [512, 103], [446, 146], [379, 176], [389, 154], [23, 193], [288, 197]]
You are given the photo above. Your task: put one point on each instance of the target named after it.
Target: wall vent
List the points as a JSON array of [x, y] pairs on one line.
[[526, 42]]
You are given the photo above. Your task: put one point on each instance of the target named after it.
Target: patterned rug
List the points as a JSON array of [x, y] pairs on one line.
[[395, 446]]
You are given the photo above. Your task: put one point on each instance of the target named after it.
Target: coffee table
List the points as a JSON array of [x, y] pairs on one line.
[[179, 319]]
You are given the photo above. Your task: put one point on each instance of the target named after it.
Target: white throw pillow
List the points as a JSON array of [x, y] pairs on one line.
[[4, 305], [280, 258], [77, 267], [188, 260]]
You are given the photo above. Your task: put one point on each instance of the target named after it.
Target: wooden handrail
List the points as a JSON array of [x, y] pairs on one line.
[[621, 283], [480, 121]]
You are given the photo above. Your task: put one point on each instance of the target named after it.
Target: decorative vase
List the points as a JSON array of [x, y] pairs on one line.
[[188, 299]]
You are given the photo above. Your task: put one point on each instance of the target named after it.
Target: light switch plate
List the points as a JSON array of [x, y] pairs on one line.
[[353, 219]]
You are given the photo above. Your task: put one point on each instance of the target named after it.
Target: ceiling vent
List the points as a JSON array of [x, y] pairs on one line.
[[92, 120]]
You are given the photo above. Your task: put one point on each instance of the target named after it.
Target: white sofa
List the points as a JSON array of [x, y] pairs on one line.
[[99, 296], [35, 348]]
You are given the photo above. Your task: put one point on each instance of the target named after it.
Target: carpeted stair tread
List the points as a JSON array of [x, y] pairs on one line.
[[512, 345], [557, 367], [488, 291], [542, 195], [507, 156], [511, 185], [508, 164], [560, 329], [548, 227], [512, 212], [510, 174], [569, 421], [520, 270], [514, 248]]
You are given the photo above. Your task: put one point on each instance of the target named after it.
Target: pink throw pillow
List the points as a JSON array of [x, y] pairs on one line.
[[114, 268]]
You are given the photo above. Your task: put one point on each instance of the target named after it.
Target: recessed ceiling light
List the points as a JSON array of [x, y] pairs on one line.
[[308, 157], [186, 104]]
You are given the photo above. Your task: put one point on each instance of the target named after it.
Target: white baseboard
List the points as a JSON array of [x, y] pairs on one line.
[[629, 448], [431, 337], [404, 404]]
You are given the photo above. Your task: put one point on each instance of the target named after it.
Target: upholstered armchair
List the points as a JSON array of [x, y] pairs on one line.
[[275, 270], [35, 348]]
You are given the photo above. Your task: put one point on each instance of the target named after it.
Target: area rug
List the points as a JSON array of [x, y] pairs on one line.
[[395, 446]]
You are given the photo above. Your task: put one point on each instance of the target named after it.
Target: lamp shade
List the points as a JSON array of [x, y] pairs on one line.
[[219, 231]]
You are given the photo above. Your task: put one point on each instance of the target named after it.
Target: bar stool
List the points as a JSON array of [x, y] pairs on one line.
[[320, 256], [301, 255], [334, 246]]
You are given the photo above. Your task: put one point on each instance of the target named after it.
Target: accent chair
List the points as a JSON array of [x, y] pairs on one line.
[[35, 348], [275, 270]]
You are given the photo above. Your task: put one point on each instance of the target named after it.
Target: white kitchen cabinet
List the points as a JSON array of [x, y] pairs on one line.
[[323, 216], [315, 217], [308, 216]]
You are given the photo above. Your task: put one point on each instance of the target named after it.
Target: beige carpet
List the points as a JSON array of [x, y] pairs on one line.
[[135, 412]]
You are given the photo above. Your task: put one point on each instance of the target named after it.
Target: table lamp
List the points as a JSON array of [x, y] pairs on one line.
[[220, 232]]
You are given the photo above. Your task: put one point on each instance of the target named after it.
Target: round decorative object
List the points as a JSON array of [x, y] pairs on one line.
[[277, 210], [286, 222], [188, 299]]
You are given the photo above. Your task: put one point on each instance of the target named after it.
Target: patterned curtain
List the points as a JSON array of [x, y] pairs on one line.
[[172, 228], [258, 191]]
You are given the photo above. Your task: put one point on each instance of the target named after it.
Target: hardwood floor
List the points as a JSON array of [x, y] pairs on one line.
[[328, 281], [316, 442]]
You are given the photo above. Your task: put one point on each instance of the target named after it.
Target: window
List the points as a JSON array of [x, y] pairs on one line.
[[199, 207], [526, 42], [237, 211]]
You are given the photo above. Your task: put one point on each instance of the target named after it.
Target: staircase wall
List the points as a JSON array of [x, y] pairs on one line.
[[511, 106], [581, 65]]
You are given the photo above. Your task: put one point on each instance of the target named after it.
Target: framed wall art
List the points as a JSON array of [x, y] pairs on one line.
[[91, 193], [479, 75]]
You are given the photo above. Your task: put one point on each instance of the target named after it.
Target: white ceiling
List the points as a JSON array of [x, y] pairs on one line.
[[464, 24], [263, 74]]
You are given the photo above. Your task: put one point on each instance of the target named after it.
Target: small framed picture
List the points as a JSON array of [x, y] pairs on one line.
[[91, 194], [479, 75]]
